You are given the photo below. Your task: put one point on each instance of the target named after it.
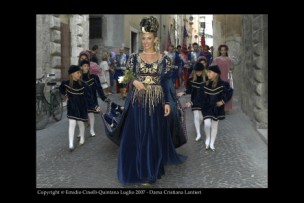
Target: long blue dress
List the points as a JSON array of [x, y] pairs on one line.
[[145, 142]]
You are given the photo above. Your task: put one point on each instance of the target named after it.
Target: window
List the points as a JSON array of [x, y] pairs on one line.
[[95, 28]]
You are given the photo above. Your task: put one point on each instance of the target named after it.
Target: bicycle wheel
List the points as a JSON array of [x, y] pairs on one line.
[[57, 106], [42, 113]]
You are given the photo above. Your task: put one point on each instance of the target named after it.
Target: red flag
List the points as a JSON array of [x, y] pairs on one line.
[[203, 39], [185, 35]]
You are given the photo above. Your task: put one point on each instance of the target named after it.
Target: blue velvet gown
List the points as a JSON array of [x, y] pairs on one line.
[[145, 144]]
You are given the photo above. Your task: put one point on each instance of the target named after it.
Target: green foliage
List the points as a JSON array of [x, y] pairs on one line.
[[127, 77]]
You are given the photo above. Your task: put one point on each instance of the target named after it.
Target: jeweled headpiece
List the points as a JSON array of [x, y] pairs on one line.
[[149, 24]]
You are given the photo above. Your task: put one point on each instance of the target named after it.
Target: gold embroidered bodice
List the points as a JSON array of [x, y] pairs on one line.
[[150, 75]]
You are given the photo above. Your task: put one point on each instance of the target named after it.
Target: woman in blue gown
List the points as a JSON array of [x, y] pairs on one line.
[[145, 139]]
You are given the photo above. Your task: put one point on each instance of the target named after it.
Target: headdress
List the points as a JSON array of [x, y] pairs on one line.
[[86, 53], [202, 58], [149, 24]]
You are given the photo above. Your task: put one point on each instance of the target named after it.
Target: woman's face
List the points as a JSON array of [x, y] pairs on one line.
[[85, 68], [204, 63], [83, 57], [223, 51], [76, 75], [211, 75], [148, 40]]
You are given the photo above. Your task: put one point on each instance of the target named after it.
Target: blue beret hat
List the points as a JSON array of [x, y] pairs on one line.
[[215, 69], [73, 68]]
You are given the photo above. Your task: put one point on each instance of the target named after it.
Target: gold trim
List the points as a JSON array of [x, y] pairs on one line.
[[198, 82], [214, 93], [73, 88], [217, 118], [76, 118], [195, 86], [74, 92], [213, 89], [149, 98]]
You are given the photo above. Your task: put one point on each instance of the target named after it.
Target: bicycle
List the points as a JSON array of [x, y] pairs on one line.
[[47, 106]]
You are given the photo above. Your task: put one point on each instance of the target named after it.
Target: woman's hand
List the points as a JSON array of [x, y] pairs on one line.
[[219, 103], [139, 85], [111, 70], [97, 109], [64, 98], [188, 104], [167, 109]]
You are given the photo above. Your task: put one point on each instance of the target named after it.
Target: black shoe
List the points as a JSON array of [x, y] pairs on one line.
[[71, 149]]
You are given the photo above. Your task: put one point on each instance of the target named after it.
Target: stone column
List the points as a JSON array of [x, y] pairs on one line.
[[79, 26]]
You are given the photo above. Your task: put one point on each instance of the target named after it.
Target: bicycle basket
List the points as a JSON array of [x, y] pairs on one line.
[[40, 88]]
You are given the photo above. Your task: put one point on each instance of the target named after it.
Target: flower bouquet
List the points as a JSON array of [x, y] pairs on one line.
[[127, 77]]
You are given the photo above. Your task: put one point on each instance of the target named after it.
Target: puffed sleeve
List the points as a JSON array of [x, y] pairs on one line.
[[227, 92], [99, 88], [62, 88], [166, 78], [130, 63], [89, 97]]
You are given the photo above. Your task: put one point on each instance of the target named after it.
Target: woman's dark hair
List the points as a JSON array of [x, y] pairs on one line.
[[223, 45], [195, 44]]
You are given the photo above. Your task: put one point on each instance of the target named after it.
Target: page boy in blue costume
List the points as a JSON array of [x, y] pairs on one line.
[[216, 93], [93, 82], [80, 99], [193, 87]]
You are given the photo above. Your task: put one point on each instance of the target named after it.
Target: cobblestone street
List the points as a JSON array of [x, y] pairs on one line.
[[240, 159]]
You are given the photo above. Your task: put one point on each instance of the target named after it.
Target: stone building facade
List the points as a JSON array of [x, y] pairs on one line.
[[59, 39], [247, 39], [255, 68], [124, 31]]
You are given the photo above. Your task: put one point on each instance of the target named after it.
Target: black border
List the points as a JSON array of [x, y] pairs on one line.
[[28, 141]]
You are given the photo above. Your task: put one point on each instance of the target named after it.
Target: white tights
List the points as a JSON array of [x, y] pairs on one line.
[[211, 127], [92, 120], [198, 118], [72, 126]]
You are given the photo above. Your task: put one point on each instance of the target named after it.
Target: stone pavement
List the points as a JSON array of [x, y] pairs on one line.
[[240, 159]]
